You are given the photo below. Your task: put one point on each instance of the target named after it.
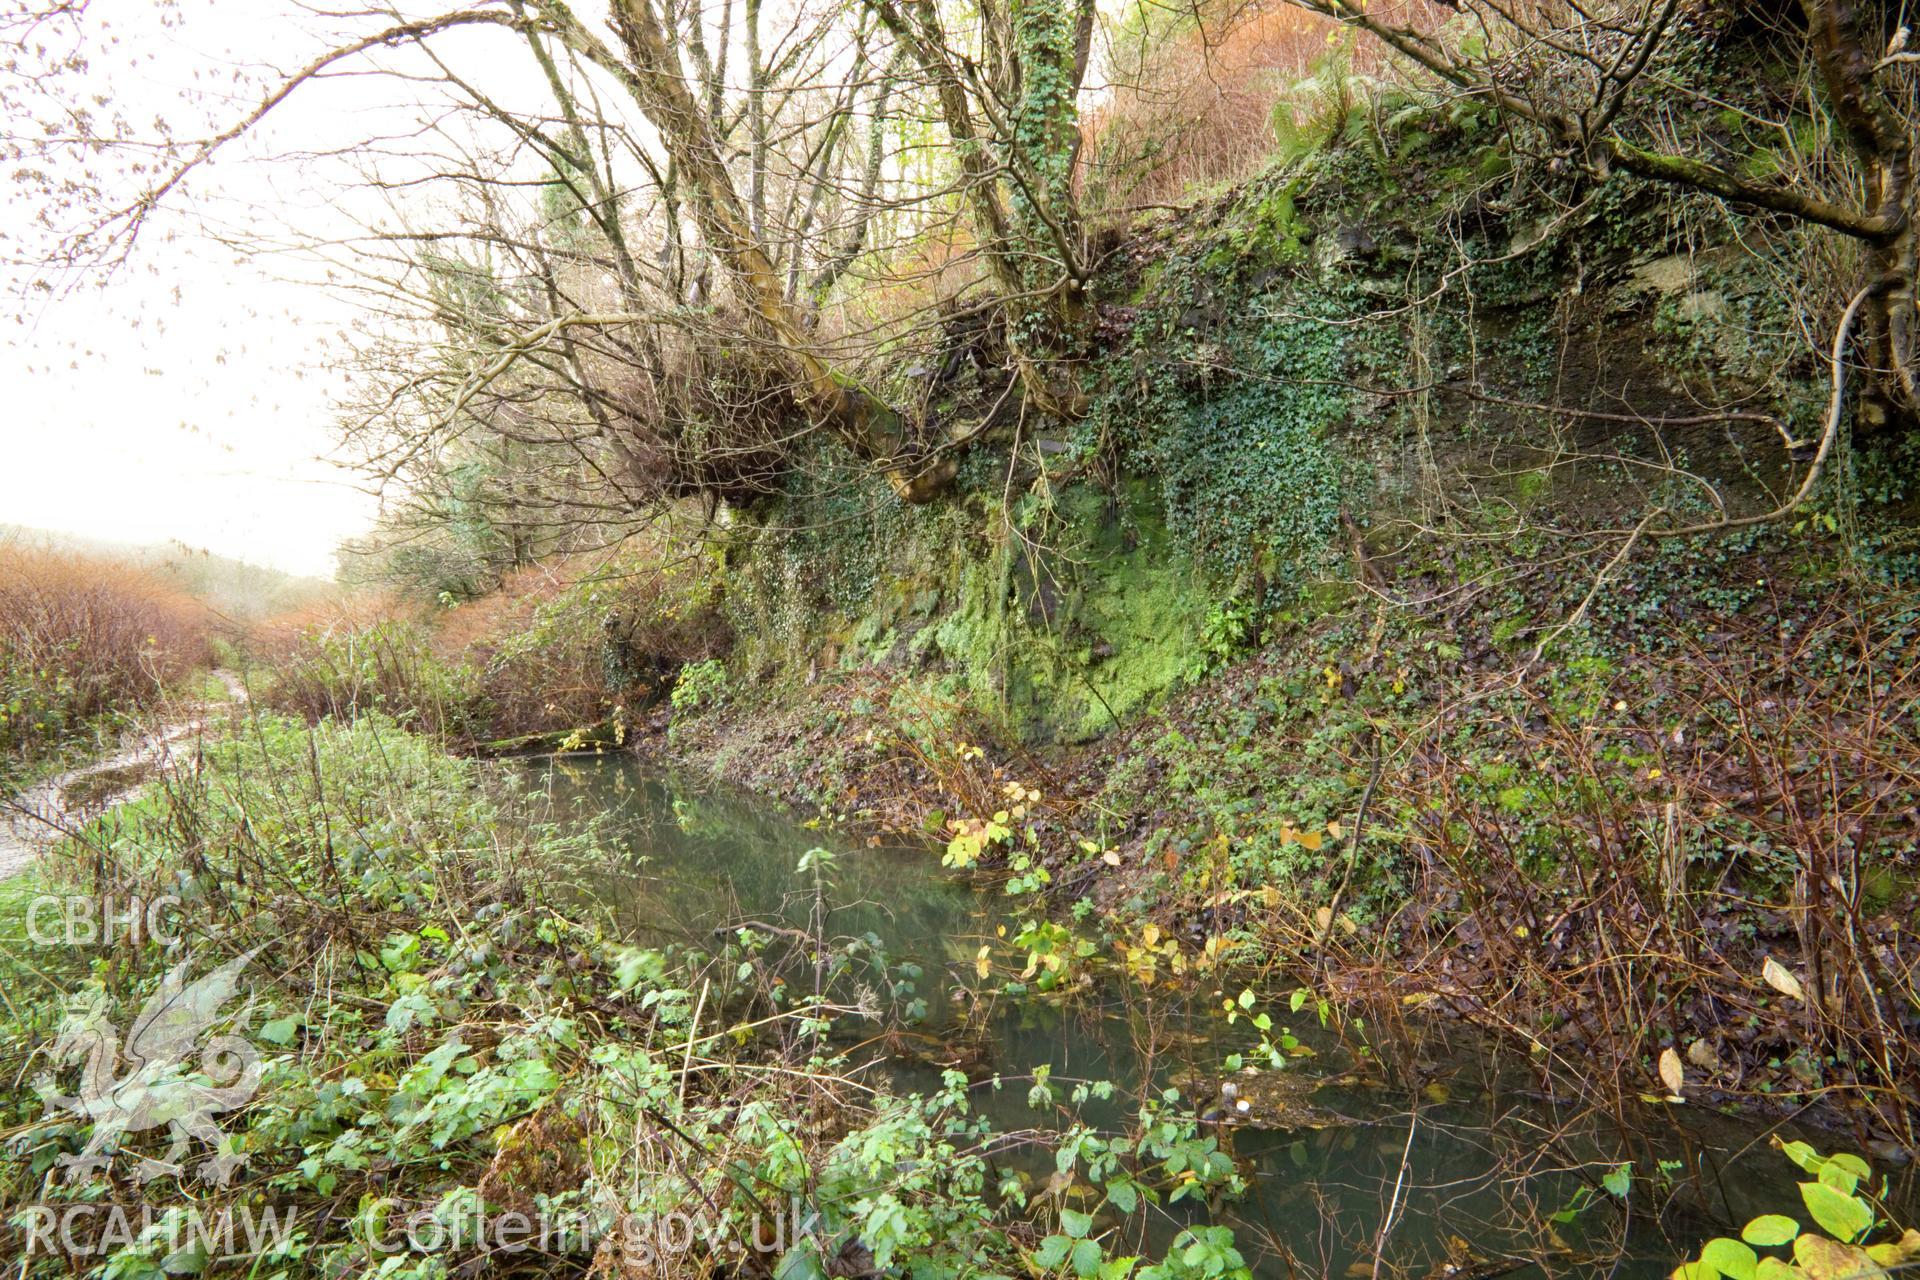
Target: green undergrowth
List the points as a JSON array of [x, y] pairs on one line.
[[392, 1027], [1682, 750]]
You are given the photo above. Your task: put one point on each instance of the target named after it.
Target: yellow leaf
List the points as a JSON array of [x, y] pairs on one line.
[[1825, 1259], [982, 961], [1673, 1073], [1311, 840], [1337, 831], [1896, 1252], [1781, 979]]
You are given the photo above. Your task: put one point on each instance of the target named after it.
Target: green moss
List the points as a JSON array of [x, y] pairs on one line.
[[1529, 487], [1147, 604], [1061, 646]]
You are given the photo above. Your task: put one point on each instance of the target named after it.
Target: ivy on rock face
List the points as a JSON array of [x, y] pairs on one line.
[[1248, 479], [1235, 429]]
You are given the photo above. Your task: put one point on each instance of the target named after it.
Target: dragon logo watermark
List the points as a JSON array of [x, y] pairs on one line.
[[171, 1071]]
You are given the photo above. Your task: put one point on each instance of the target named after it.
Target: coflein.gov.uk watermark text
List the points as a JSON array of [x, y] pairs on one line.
[[386, 1227]]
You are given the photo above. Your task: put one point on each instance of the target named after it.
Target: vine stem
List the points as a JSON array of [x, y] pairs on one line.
[[1399, 1185], [1353, 846], [1599, 581], [1836, 405]]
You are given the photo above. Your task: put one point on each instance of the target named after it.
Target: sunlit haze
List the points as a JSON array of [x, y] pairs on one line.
[[189, 398]]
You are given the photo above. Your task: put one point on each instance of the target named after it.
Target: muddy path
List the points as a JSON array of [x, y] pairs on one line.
[[36, 819]]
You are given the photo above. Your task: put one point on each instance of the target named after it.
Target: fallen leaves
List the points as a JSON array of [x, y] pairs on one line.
[[1781, 979], [1673, 1074]]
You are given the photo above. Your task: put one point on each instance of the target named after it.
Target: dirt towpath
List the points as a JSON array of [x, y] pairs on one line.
[[35, 820]]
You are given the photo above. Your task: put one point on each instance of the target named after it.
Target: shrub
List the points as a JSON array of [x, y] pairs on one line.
[[537, 655], [81, 639], [700, 684], [581, 640], [1195, 107], [361, 655], [564, 646]]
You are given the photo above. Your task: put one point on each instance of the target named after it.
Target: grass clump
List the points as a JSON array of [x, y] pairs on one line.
[[361, 656]]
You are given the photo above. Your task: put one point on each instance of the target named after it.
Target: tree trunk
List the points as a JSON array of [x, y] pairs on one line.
[[871, 429]]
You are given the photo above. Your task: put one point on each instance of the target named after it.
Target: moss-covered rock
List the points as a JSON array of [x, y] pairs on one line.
[[1064, 643]]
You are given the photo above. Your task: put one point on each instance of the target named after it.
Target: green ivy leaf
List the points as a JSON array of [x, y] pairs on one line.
[[280, 1031], [1075, 1223], [1087, 1256]]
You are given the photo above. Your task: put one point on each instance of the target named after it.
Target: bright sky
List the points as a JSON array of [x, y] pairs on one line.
[[190, 398], [141, 419]]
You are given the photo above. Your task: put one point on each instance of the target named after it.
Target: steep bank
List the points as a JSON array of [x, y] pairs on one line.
[[1396, 615], [1602, 855], [1370, 514]]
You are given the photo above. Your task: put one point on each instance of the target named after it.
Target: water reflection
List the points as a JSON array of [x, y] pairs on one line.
[[1451, 1167]]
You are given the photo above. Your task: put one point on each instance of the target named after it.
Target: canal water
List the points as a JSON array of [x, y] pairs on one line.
[[1439, 1157]]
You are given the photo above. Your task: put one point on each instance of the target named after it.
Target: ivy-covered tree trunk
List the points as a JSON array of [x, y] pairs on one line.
[[1017, 169], [1050, 42]]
